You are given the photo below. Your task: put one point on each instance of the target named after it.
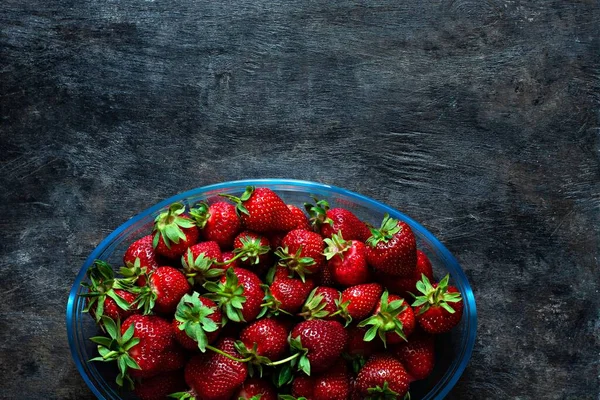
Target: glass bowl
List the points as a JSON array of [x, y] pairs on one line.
[[453, 350]]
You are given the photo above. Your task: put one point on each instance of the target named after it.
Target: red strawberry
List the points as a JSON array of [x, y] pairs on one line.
[[269, 335], [302, 387], [253, 250], [238, 294], [357, 345], [103, 297], [142, 249], [262, 210], [228, 255], [439, 308], [165, 287], [209, 249], [392, 249], [356, 302], [405, 286], [382, 377], [393, 320], [320, 342], [301, 218], [321, 303], [331, 385], [213, 376], [197, 322], [173, 232], [256, 389], [347, 260], [301, 252], [160, 386], [325, 277], [287, 294], [218, 222], [417, 356], [329, 221]]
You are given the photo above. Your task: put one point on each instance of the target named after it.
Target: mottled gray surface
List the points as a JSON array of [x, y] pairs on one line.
[[478, 118]]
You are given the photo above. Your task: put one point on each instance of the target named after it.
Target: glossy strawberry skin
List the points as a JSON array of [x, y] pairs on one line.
[[112, 310], [397, 256], [255, 386], [176, 250], [301, 218], [228, 255], [417, 355], [291, 292], [303, 386], [357, 345], [142, 249], [311, 245], [325, 341], [213, 376], [187, 342], [350, 268], [252, 291], [222, 225], [333, 384], [379, 369], [210, 249], [270, 336], [170, 285], [405, 286], [160, 386], [267, 212], [363, 299], [407, 317], [350, 225], [437, 320]]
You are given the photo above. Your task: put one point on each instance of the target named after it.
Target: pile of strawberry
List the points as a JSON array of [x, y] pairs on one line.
[[250, 298]]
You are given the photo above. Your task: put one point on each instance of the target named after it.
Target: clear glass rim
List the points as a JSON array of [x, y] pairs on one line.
[[441, 389]]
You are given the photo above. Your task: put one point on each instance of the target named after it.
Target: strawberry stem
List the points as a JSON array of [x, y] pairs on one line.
[[221, 352], [279, 362]]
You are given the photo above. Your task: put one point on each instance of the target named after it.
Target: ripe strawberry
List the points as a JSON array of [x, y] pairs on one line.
[[262, 210], [324, 276], [213, 376], [405, 286], [253, 250], [440, 307], [266, 337], [103, 297], [173, 232], [228, 255], [142, 249], [301, 252], [218, 222], [333, 384], [301, 218], [165, 287], [357, 345], [392, 249], [197, 322], [382, 377], [286, 294], [302, 388], [329, 221], [393, 320], [320, 343], [256, 389], [417, 356], [356, 302], [321, 303], [238, 294], [209, 249], [160, 386], [347, 260]]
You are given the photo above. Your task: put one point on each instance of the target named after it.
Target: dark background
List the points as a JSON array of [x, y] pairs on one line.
[[478, 118]]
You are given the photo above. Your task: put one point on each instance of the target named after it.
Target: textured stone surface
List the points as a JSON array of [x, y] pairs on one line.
[[477, 118]]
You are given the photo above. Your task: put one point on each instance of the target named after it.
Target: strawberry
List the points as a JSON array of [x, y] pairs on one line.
[[262, 210], [286, 294], [266, 337], [329, 221], [382, 377], [392, 249], [143, 250], [356, 344], [173, 232], [209, 249], [417, 355], [103, 297], [320, 344], [321, 303], [238, 294], [356, 302], [214, 376], [439, 308], [228, 255], [160, 386], [301, 252], [164, 288], [393, 320], [302, 388], [197, 322], [405, 286], [218, 222], [331, 385], [302, 221], [253, 250], [200, 263], [325, 277], [256, 389], [347, 260]]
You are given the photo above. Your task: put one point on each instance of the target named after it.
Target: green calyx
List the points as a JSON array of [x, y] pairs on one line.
[[301, 362], [342, 310], [194, 319], [200, 269], [438, 296], [168, 224], [290, 397], [386, 320], [199, 214], [382, 393], [295, 262], [314, 307], [102, 284], [256, 361], [182, 396], [251, 250], [116, 348], [255, 397], [229, 296], [270, 306], [358, 361], [318, 213], [336, 245], [389, 227], [239, 201]]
